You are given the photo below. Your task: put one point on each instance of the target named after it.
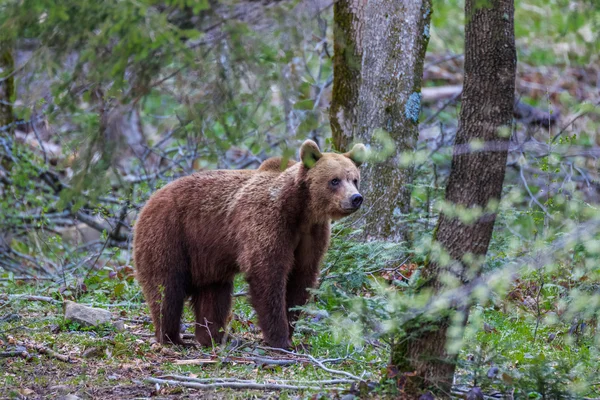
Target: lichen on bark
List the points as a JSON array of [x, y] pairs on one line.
[[392, 68]]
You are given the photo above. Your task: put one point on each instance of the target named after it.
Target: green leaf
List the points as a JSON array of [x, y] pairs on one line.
[[307, 104]]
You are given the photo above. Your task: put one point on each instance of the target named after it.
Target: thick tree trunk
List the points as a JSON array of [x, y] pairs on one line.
[[348, 21], [378, 67], [475, 181]]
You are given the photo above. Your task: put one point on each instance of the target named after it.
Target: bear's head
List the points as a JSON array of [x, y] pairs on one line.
[[333, 180]]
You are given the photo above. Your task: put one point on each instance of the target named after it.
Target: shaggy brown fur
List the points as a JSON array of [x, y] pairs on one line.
[[196, 233], [275, 164]]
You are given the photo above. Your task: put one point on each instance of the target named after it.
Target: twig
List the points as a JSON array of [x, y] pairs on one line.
[[318, 363], [232, 385], [196, 361], [33, 298], [40, 142], [8, 354], [27, 278], [333, 371], [263, 360], [145, 334], [531, 194], [205, 380], [51, 353], [579, 115]]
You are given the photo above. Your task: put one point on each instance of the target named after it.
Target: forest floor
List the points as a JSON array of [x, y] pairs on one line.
[[42, 356]]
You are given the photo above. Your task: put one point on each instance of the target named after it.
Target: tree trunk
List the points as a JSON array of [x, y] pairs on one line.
[[348, 16], [475, 181], [7, 92], [7, 86], [378, 67]]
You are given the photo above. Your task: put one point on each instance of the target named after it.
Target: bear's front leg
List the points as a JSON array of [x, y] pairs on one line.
[[267, 295], [266, 271], [308, 256]]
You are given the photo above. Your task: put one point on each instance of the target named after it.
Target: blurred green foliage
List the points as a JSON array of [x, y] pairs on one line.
[[243, 88], [548, 32]]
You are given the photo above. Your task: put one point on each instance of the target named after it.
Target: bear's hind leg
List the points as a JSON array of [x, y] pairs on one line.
[[166, 309], [212, 306]]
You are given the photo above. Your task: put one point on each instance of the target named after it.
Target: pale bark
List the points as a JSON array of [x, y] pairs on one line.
[[380, 93], [347, 59], [475, 181]]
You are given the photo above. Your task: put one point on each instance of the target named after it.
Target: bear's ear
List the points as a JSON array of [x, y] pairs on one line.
[[358, 154], [310, 153]]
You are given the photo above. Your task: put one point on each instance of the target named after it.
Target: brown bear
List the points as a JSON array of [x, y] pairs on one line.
[[275, 164], [196, 233]]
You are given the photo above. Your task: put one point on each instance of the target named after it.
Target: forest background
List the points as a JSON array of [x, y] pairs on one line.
[[102, 103]]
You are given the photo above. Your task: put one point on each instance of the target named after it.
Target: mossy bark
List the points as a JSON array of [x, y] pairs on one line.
[[7, 97], [389, 104], [475, 181], [378, 67], [7, 86], [348, 18]]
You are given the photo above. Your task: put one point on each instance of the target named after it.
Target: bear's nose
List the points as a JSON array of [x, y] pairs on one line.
[[356, 200]]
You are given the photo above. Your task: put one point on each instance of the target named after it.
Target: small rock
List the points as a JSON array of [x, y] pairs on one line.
[[119, 326], [10, 318], [70, 397], [492, 372], [475, 394], [93, 352], [112, 377], [59, 388], [348, 397], [489, 328], [85, 315]]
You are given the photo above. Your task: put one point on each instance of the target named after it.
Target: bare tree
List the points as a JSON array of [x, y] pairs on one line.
[[378, 67], [475, 182]]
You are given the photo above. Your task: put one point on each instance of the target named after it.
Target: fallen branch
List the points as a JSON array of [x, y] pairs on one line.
[[26, 278], [205, 380], [333, 371], [273, 361], [51, 353], [195, 361], [33, 298], [318, 363], [8, 354], [150, 335], [523, 112], [232, 385], [240, 360]]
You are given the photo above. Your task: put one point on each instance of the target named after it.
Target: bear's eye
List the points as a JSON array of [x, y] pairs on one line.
[[335, 182], [356, 183]]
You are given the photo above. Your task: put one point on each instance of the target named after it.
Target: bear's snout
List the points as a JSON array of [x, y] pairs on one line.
[[356, 200]]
